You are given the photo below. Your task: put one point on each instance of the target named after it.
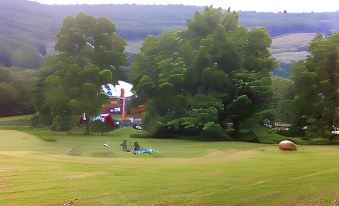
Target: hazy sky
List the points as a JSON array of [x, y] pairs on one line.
[[245, 5]]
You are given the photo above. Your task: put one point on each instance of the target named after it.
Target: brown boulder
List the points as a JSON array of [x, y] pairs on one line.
[[287, 145]]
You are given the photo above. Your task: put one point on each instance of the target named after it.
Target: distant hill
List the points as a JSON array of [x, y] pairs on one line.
[[27, 28], [288, 49]]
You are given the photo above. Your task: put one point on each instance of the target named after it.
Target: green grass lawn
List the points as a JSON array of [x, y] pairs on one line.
[[22, 120], [77, 168], [16, 118]]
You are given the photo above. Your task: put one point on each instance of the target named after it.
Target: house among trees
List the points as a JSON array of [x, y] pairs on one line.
[[120, 96]]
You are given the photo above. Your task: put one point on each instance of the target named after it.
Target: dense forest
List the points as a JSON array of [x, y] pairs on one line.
[[17, 88], [28, 29]]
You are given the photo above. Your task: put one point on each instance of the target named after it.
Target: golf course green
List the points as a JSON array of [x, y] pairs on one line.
[[41, 167]]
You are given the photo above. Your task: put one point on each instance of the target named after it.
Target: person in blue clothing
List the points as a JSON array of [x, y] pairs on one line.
[[136, 148]]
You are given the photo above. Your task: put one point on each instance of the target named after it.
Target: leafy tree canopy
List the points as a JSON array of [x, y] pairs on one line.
[[16, 88], [92, 40], [90, 54], [317, 86], [215, 71]]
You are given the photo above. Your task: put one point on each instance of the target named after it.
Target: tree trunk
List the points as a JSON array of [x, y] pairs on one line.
[[87, 126], [236, 128]]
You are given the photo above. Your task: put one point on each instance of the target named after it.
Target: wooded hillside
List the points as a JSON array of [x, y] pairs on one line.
[[30, 26]]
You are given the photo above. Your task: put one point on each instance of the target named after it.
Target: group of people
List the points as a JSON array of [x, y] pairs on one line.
[[136, 148]]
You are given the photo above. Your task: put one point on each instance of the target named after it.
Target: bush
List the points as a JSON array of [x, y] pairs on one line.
[[61, 123], [39, 120], [315, 131], [99, 126], [269, 114], [183, 126], [212, 130], [292, 132], [151, 123], [249, 136]]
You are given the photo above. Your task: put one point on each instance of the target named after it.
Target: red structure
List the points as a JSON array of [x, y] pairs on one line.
[[109, 121], [120, 96], [138, 110], [122, 100]]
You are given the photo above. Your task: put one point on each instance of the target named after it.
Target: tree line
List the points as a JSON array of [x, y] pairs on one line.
[[16, 91], [211, 80], [316, 100], [26, 28]]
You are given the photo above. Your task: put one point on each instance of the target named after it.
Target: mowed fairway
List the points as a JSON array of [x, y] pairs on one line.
[[77, 170]]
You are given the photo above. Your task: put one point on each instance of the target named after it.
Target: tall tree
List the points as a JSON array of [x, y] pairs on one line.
[[212, 73], [317, 85], [92, 40], [90, 54]]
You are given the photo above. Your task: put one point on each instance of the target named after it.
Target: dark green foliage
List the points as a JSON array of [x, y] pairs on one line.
[[204, 109], [9, 98], [271, 115], [29, 24], [99, 126], [70, 81], [212, 130], [92, 40], [16, 88], [213, 72], [61, 123], [282, 99], [293, 132], [70, 89], [40, 119], [316, 87]]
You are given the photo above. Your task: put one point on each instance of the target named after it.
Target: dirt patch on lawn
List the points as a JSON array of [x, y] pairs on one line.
[[83, 175], [314, 200], [218, 155], [11, 154], [7, 169]]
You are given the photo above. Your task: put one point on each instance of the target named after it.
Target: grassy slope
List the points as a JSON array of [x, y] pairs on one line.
[[16, 118], [36, 172], [291, 42], [290, 48]]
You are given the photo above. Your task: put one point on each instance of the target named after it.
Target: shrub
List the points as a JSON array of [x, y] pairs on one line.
[[269, 114], [99, 126], [39, 120], [292, 132], [212, 130], [61, 123]]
